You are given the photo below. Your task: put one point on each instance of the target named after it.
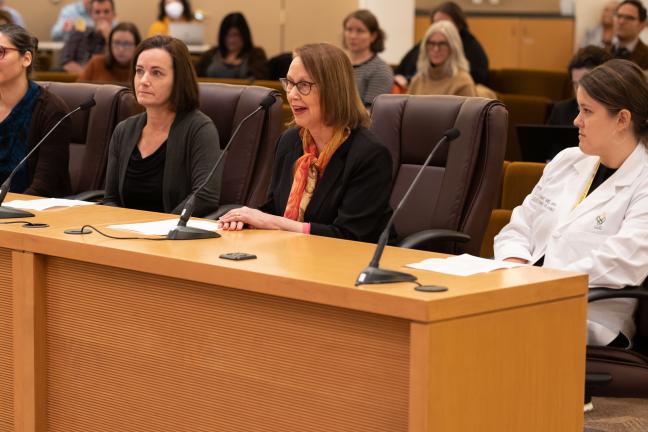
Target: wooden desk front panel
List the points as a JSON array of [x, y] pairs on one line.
[[6, 343], [129, 351]]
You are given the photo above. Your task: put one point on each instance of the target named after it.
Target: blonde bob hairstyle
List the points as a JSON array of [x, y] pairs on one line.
[[331, 71], [456, 60]]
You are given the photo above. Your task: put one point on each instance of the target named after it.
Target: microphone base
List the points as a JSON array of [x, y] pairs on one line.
[[11, 213], [190, 233], [375, 275]]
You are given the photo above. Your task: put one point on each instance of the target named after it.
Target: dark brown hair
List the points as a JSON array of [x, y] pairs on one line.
[[124, 27], [617, 85], [371, 22], [455, 12], [184, 95], [588, 57], [6, 17], [22, 40], [330, 68]]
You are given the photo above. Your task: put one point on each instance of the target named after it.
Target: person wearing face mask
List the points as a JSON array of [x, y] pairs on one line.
[[170, 11], [442, 66], [235, 56]]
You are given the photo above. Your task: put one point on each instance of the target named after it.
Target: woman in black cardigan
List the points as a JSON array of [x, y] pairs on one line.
[[331, 175], [158, 158]]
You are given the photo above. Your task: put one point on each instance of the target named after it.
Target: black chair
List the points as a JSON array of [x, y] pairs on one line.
[[617, 372]]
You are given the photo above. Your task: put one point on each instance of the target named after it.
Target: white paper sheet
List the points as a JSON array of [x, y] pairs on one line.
[[462, 265], [164, 226], [45, 203]]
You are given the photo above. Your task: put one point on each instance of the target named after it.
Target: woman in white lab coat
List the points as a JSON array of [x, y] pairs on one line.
[[589, 211]]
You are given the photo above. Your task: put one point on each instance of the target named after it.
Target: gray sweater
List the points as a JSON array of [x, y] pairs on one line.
[[191, 151]]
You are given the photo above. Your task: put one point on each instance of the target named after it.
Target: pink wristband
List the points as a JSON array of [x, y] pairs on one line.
[[306, 228]]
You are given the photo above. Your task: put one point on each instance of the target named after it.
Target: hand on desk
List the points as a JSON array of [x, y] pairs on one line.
[[516, 260], [235, 220]]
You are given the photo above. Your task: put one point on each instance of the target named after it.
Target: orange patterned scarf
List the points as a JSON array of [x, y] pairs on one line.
[[308, 169]]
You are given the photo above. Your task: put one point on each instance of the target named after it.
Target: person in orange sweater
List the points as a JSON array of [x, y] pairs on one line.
[[114, 66], [170, 11]]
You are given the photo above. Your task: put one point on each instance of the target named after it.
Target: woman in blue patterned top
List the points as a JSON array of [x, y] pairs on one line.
[[27, 112]]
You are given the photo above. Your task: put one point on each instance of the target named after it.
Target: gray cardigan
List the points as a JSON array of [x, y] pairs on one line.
[[191, 151]]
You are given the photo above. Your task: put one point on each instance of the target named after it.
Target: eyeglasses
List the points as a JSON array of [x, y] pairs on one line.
[[123, 44], [438, 45], [626, 17], [4, 49], [303, 87]]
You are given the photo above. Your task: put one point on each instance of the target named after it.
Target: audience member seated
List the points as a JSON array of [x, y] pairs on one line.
[[5, 17], [601, 35], [629, 20], [115, 66], [235, 56], [73, 16], [16, 17], [589, 211], [586, 59], [477, 58], [82, 45], [363, 40], [27, 113], [159, 157], [170, 11], [442, 66], [331, 176]]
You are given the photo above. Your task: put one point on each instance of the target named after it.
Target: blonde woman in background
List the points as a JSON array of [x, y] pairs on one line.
[[442, 66]]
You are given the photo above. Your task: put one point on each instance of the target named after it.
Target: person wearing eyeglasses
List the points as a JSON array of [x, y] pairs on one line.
[[629, 20], [27, 112], [442, 66], [332, 177], [114, 66]]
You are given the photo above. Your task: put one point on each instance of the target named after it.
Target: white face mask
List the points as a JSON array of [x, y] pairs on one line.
[[174, 10]]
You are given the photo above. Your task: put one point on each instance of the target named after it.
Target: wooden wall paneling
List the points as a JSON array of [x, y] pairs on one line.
[[499, 37], [6, 343], [130, 351], [29, 342], [546, 43]]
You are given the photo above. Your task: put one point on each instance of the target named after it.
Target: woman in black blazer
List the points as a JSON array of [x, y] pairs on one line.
[[331, 176]]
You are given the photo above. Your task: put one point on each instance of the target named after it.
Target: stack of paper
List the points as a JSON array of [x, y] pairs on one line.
[[462, 265], [45, 203], [164, 226]]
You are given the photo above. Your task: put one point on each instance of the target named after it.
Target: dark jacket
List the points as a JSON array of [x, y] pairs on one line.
[[472, 49], [80, 46], [639, 55], [563, 113], [48, 167], [257, 63], [191, 151], [351, 199]]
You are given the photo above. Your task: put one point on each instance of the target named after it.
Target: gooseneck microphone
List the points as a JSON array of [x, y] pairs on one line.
[[182, 231], [375, 275], [8, 212]]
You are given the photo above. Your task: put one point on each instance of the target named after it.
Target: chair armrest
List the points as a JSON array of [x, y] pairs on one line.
[[413, 240], [595, 294], [222, 210], [91, 195]]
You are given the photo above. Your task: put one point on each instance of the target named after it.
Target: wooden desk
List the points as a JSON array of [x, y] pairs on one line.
[[108, 335]]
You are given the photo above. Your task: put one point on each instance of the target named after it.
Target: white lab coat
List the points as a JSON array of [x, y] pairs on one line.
[[605, 236]]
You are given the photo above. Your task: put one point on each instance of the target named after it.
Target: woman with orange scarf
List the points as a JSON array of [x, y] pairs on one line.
[[331, 177]]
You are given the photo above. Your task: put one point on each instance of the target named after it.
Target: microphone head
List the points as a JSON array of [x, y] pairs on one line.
[[268, 101], [88, 104], [452, 134]]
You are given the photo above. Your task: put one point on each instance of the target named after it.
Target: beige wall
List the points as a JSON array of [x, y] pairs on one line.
[[304, 21]]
